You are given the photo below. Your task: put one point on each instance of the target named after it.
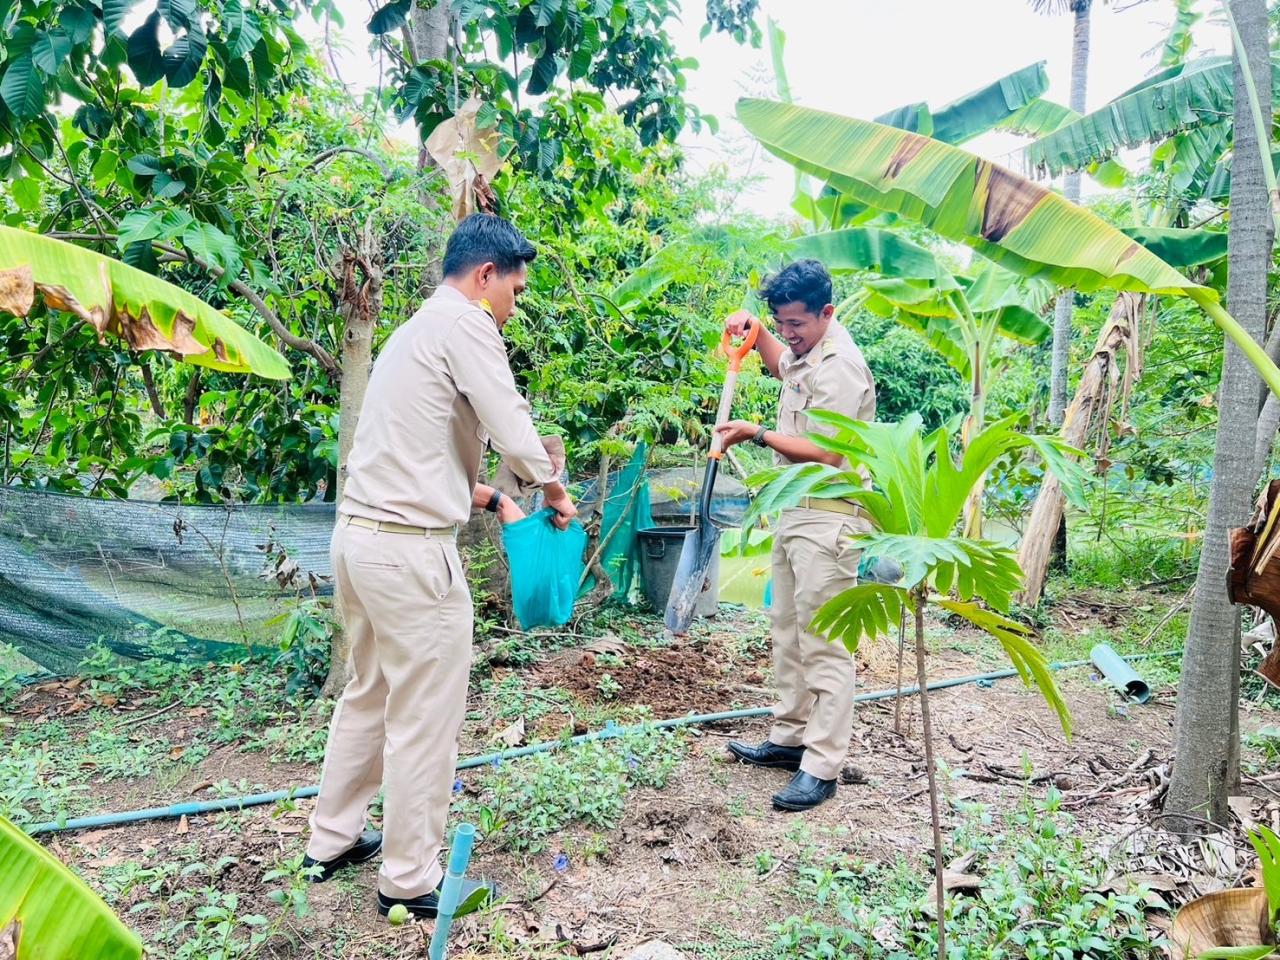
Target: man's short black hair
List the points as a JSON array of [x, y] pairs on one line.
[[483, 238], [805, 281]]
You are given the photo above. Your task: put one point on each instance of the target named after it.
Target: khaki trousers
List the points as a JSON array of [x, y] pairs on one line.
[[813, 561], [407, 608]]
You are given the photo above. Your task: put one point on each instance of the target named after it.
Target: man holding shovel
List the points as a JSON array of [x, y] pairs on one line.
[[821, 369], [440, 389]]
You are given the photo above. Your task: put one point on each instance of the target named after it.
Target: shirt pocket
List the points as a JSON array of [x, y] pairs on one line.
[[791, 410]]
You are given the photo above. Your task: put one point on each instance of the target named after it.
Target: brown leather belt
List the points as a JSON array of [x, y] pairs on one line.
[[843, 507], [389, 526]]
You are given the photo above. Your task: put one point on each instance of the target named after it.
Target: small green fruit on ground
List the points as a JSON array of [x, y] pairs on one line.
[[398, 914]]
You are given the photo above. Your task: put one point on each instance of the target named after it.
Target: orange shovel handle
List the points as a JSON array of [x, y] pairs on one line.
[[739, 353]]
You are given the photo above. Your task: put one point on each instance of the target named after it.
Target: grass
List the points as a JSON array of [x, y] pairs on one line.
[[521, 803], [533, 811], [1116, 562], [1037, 899]]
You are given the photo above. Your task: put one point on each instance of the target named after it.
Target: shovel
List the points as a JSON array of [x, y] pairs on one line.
[[702, 542]]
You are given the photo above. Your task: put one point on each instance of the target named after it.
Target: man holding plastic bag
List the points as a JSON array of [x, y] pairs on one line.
[[440, 390]]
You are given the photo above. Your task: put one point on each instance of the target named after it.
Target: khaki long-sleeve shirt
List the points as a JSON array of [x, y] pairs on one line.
[[440, 390], [832, 376]]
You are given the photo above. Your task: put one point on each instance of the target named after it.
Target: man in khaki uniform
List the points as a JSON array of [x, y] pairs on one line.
[[440, 390], [821, 369]]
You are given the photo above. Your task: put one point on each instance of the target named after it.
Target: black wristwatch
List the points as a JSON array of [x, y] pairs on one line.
[[494, 501], [758, 439]]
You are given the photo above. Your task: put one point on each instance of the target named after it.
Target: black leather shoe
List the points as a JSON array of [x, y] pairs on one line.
[[768, 755], [366, 848], [474, 895], [804, 792]]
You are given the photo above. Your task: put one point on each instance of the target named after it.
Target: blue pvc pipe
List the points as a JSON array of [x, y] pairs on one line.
[[1119, 674], [609, 731], [459, 856]]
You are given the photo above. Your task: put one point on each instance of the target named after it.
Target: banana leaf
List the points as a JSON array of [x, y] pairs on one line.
[[1178, 43], [982, 110], [1190, 158], [915, 117], [868, 248], [1037, 118], [969, 116], [1174, 99], [49, 913], [1218, 187], [1023, 226], [144, 311], [1181, 248]]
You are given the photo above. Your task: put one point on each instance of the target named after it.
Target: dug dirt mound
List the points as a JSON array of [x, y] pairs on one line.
[[670, 680]]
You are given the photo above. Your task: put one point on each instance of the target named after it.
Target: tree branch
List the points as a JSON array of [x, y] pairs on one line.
[[149, 382], [332, 152]]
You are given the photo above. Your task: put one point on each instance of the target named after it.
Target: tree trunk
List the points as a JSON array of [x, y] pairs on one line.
[[1268, 425], [430, 28], [360, 278], [973, 426], [1206, 729], [1093, 401], [935, 817], [1071, 190]]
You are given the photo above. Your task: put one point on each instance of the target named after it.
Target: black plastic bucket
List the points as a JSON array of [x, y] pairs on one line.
[[659, 556]]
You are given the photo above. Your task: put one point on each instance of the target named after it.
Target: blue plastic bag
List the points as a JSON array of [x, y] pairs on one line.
[[546, 567]]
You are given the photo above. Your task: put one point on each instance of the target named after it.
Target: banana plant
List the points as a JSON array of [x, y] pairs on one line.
[[967, 319], [917, 494], [1020, 225], [46, 911], [144, 311], [1184, 110]]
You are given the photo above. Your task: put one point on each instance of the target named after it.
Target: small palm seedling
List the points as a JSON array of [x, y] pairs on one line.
[[915, 503]]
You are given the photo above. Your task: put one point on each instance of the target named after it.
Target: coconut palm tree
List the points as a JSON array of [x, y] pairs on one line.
[[1079, 10]]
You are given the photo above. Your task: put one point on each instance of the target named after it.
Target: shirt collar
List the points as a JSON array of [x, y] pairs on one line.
[[451, 293]]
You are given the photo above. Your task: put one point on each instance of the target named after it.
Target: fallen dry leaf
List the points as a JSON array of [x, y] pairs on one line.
[[1242, 807], [183, 826], [513, 736]]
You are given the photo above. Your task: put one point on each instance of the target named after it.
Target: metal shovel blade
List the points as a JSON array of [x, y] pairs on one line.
[[691, 579]]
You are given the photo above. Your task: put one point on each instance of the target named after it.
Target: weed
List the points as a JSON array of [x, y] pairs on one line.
[[212, 928], [524, 801], [1038, 868], [293, 894], [35, 785], [1263, 749], [1114, 562], [509, 697], [608, 687], [116, 883]]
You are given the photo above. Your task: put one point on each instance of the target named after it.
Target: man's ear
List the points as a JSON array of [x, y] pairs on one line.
[[487, 271], [828, 312]]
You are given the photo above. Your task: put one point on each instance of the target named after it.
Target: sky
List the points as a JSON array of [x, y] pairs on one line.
[[864, 57]]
